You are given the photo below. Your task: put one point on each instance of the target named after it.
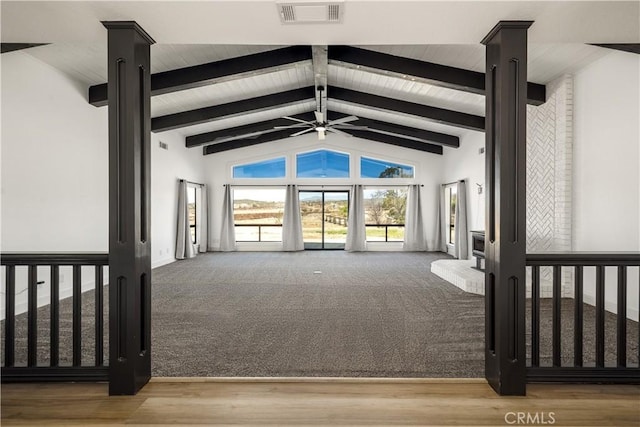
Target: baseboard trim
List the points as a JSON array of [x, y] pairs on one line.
[[351, 380], [162, 262]]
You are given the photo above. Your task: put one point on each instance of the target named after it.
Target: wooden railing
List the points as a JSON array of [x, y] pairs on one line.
[[260, 231], [32, 371], [578, 370]]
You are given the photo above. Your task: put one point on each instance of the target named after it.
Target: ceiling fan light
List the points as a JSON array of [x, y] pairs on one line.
[[321, 128]]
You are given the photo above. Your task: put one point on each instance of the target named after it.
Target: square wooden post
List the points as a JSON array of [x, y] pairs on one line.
[[129, 207], [505, 239]]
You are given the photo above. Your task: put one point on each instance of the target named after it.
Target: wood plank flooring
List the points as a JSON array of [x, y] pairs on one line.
[[318, 401]]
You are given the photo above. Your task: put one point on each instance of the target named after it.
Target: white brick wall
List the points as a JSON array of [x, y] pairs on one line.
[[549, 172]]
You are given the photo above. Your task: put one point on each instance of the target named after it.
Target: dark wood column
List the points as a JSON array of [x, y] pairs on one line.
[[505, 129], [129, 207]]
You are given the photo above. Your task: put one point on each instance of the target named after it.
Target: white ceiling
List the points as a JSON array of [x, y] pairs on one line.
[[365, 21], [191, 33]]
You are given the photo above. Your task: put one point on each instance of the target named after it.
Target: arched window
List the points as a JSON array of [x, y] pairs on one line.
[[322, 164]]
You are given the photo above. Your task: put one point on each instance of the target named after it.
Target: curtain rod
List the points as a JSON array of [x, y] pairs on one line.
[[191, 182], [454, 182], [318, 185]]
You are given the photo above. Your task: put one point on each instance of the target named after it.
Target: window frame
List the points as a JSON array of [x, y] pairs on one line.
[[450, 190], [261, 160], [258, 225], [390, 161], [387, 225], [349, 156], [194, 226]]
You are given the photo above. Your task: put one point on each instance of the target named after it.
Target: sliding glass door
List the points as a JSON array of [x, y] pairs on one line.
[[324, 218]]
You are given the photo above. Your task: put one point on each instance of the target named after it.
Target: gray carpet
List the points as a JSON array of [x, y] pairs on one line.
[[317, 313], [313, 314]]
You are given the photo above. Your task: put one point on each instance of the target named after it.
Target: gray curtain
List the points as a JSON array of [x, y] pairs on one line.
[[203, 221], [184, 247], [461, 246], [356, 230], [228, 231], [441, 231], [292, 221], [414, 238]]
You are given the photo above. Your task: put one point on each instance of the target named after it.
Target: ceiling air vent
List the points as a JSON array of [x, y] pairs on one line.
[[311, 12]]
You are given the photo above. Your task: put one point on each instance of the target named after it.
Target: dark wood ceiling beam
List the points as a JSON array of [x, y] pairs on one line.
[[440, 115], [397, 141], [245, 106], [402, 131], [624, 47], [246, 142], [215, 72], [377, 126], [10, 47], [428, 72], [264, 126]]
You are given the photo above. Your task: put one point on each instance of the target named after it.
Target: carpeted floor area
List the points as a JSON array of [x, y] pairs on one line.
[[316, 313], [328, 313]]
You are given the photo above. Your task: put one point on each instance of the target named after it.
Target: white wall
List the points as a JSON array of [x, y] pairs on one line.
[[606, 186], [428, 171], [466, 162], [54, 161], [54, 177], [167, 167]]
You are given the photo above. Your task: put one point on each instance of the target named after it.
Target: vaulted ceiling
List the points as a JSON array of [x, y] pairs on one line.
[[226, 96]]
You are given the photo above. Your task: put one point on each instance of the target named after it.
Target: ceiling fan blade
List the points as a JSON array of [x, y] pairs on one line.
[[302, 132], [251, 135], [299, 125], [297, 120], [343, 120], [347, 126], [339, 132], [319, 116], [321, 134]]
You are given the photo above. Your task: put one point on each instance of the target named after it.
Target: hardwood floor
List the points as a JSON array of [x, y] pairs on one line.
[[313, 401]]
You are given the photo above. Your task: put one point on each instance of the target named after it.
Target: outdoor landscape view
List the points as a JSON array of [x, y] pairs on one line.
[[258, 215]]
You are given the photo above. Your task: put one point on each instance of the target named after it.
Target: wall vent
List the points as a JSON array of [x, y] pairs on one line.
[[311, 12], [163, 145]]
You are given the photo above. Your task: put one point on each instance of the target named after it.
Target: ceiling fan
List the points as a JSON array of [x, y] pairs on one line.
[[321, 125]]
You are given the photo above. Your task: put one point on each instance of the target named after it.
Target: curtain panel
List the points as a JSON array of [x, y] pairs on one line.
[[184, 246], [414, 237], [356, 230], [292, 221], [461, 245], [227, 229]]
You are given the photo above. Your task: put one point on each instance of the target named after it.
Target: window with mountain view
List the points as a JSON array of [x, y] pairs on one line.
[[257, 214], [271, 168], [374, 168]]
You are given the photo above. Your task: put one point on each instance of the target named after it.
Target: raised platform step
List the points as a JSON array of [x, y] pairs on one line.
[[460, 273]]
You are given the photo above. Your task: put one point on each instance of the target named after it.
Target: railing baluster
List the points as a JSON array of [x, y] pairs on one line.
[[10, 317], [55, 316], [556, 317], [32, 317], [600, 316], [99, 304], [577, 317], [535, 315], [622, 316], [53, 372], [77, 315]]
